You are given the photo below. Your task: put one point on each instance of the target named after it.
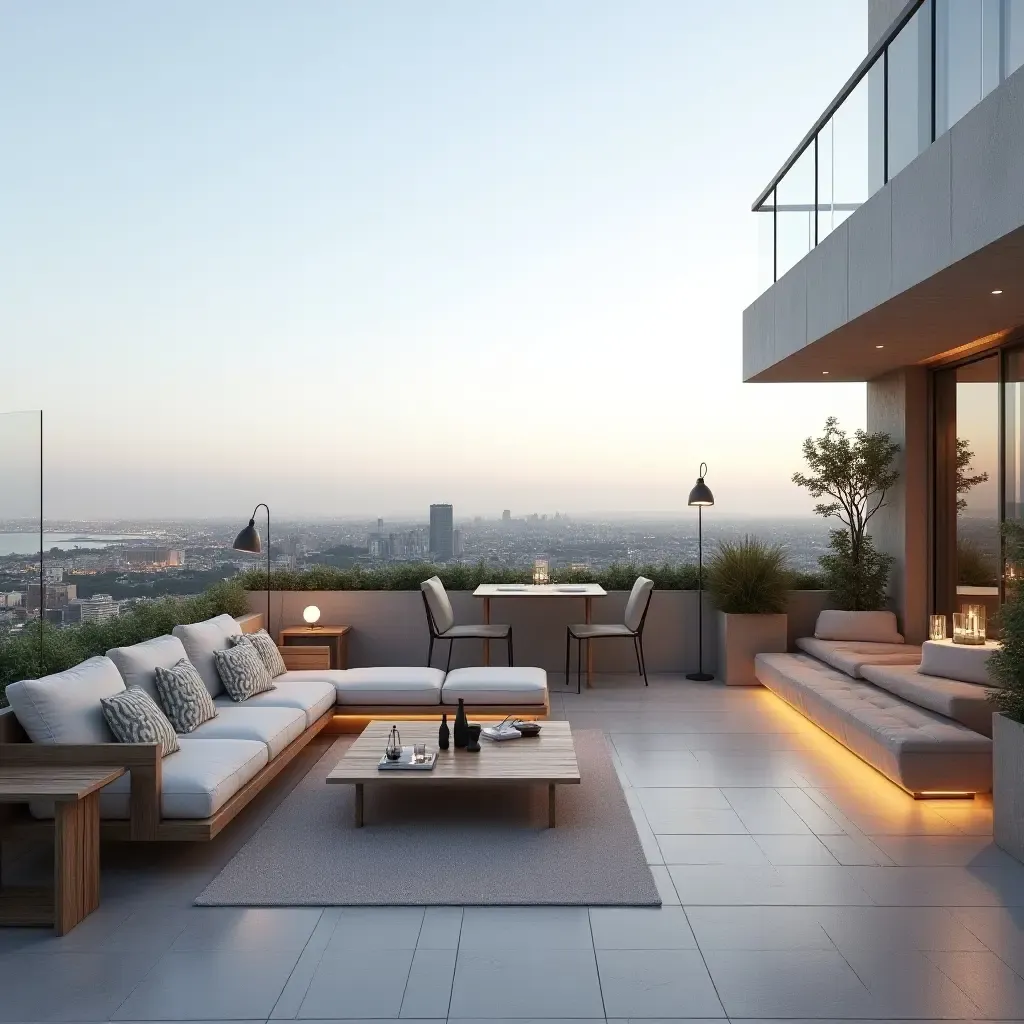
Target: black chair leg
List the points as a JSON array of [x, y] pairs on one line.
[[430, 651], [510, 645], [636, 651], [568, 641], [448, 667], [579, 665], [643, 659]]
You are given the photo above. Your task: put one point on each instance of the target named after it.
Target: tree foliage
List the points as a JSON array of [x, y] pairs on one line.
[[1006, 664], [965, 478], [853, 476]]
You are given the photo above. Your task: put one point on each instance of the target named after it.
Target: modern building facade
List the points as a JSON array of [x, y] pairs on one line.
[[442, 533], [894, 255]]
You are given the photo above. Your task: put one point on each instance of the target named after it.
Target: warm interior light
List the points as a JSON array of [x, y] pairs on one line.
[[311, 614]]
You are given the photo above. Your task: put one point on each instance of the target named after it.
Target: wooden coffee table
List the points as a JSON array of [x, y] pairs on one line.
[[548, 759]]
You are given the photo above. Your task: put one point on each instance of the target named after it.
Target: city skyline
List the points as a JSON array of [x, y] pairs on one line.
[[344, 258]]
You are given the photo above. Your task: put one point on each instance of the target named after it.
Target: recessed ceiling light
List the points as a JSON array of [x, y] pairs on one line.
[[825, 372], [879, 346], [997, 291]]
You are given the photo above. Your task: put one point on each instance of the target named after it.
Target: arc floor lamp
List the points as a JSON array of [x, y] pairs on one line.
[[249, 540], [702, 497]]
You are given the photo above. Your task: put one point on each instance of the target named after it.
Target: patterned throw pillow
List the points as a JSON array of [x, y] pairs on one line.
[[265, 647], [183, 696], [134, 717], [242, 672]]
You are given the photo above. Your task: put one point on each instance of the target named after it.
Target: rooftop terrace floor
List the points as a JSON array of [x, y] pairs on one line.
[[797, 883]]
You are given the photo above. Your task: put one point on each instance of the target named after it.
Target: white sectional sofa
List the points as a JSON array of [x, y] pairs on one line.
[[225, 762], [886, 701]]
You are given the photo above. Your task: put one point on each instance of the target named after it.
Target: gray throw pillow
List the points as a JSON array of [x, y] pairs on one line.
[[242, 672], [183, 696], [264, 646], [134, 717]]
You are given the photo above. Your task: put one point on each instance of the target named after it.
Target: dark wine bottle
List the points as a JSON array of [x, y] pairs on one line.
[[443, 734], [460, 734]]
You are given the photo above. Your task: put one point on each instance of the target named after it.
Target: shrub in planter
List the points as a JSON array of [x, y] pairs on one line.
[[748, 581]]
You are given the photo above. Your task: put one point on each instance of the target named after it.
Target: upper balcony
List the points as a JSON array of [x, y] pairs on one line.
[[915, 166]]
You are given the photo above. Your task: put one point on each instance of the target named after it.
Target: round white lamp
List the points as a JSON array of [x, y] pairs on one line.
[[312, 615]]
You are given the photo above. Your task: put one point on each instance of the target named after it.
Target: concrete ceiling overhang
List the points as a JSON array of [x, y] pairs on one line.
[[948, 316]]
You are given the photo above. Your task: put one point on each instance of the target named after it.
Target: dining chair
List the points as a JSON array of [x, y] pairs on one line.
[[632, 627], [441, 622]]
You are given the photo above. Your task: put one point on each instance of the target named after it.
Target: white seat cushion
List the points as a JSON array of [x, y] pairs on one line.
[[276, 727], [850, 656], [591, 630], [201, 639], [966, 662], [874, 627], [196, 781], [481, 632], [138, 663], [518, 685], [966, 703], [388, 686], [65, 707], [313, 697]]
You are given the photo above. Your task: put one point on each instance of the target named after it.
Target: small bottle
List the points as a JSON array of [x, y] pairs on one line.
[[443, 734], [460, 734]]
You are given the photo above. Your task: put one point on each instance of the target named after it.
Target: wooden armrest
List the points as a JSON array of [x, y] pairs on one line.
[[142, 760], [299, 657]]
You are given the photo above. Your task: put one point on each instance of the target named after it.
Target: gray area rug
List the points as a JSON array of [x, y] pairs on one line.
[[445, 846]]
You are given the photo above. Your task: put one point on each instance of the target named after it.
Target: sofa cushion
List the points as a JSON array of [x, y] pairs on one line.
[[876, 627], [966, 662], [139, 662], [134, 717], [387, 687], [275, 727], [201, 639], [195, 782], [65, 707], [966, 703], [181, 693], [498, 684], [916, 748], [242, 672], [850, 655], [261, 643], [313, 697]]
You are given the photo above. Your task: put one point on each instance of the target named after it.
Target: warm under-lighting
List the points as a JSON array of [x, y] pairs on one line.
[[943, 794], [936, 627], [969, 625], [311, 614]]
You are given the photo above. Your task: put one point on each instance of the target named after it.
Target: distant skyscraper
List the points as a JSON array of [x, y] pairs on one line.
[[506, 516], [442, 529], [457, 543]]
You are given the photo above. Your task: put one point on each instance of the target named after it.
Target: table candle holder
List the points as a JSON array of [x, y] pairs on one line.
[[969, 625], [936, 627]]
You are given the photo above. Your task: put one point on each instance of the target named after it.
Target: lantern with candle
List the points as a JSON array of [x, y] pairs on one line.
[[969, 625], [936, 627]]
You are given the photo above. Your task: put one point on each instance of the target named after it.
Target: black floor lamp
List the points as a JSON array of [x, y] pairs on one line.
[[700, 496], [249, 540]]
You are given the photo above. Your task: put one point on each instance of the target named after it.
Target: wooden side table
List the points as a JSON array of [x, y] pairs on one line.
[[76, 843], [335, 637]]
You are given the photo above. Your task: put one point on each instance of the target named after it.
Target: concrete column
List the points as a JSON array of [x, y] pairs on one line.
[[898, 404]]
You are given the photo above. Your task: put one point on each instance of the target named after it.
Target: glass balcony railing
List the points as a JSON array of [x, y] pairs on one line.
[[938, 59]]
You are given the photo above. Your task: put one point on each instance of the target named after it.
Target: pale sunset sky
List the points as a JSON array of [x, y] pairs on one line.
[[355, 257]]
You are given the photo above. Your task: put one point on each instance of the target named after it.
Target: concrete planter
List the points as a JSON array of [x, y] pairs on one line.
[[740, 637], [1008, 785]]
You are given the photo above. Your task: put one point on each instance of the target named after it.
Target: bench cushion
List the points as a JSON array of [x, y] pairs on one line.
[[196, 781], [850, 655], [876, 627], [313, 697], [387, 686], [966, 662], [65, 707], [201, 639], [918, 749], [965, 703], [275, 727], [139, 662], [499, 684]]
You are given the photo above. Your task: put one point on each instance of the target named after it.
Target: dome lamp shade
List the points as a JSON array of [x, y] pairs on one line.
[[701, 494], [249, 539]]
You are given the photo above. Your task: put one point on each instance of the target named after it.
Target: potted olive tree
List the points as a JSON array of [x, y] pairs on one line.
[[1006, 667], [748, 582]]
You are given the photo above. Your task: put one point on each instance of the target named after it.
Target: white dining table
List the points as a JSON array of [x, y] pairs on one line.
[[535, 591]]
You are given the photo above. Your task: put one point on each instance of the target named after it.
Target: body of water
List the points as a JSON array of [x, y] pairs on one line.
[[28, 543]]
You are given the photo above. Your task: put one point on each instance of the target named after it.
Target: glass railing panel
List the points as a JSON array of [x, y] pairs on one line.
[[910, 90], [795, 218], [1013, 35], [766, 244], [845, 154]]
